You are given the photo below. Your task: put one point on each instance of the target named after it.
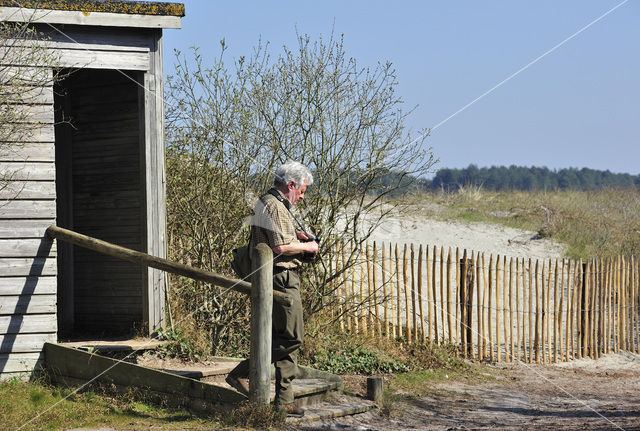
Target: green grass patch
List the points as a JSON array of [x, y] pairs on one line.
[[40, 406]]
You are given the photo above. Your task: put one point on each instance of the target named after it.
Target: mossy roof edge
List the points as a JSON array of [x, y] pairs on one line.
[[111, 6]]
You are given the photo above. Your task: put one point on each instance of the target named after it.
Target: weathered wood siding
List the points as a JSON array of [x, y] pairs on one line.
[[106, 198], [154, 180], [104, 179], [27, 258]]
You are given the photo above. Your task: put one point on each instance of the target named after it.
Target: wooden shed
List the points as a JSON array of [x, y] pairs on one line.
[[94, 164]]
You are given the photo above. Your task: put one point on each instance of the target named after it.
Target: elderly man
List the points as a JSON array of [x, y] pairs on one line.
[[274, 225]]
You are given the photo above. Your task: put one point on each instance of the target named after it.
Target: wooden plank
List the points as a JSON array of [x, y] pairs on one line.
[[83, 40], [28, 324], [43, 247], [556, 311], [25, 343], [414, 308], [370, 289], [376, 312], [431, 302], [489, 291], [116, 102], [28, 190], [336, 283], [385, 288], [78, 58], [607, 306], [42, 114], [449, 300], [154, 162], [531, 328], [634, 304], [499, 273], [33, 133], [24, 228], [359, 293], [42, 95], [398, 295], [27, 285], [16, 267], [347, 286], [106, 19], [25, 76], [508, 310], [392, 295], [27, 152], [28, 171], [443, 306], [111, 289], [580, 308], [562, 328], [405, 282], [27, 304], [457, 303], [14, 364], [517, 286], [479, 310], [420, 296], [28, 209], [485, 310], [573, 299]]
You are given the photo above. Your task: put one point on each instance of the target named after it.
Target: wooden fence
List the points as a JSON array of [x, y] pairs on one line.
[[494, 308]]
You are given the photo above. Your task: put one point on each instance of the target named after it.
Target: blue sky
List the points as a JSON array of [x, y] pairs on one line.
[[577, 107]]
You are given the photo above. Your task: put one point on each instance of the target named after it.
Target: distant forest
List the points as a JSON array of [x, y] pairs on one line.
[[529, 178]]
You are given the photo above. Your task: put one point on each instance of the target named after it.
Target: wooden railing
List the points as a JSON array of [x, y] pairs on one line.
[[492, 307], [260, 289]]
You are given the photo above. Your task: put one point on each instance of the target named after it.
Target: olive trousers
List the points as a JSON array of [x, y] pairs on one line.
[[287, 335]]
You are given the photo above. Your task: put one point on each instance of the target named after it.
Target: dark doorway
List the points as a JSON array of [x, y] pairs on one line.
[[100, 193]]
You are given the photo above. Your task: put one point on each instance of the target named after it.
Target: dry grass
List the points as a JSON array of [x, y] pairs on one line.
[[597, 223]]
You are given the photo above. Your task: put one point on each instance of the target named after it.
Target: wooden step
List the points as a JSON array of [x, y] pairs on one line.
[[305, 391], [309, 392], [330, 409], [122, 345]]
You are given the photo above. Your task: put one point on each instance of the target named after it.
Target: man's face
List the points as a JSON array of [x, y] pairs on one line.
[[296, 193]]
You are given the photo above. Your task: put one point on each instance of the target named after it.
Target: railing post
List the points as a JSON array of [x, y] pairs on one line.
[[261, 312]]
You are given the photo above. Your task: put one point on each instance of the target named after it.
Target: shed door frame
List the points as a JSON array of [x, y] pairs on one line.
[[152, 171]]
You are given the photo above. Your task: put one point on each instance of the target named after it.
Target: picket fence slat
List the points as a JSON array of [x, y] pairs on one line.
[[496, 309]]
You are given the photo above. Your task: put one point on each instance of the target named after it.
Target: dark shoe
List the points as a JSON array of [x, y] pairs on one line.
[[292, 410], [239, 384]]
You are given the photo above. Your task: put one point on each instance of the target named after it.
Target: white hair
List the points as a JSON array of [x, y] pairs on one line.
[[293, 171]]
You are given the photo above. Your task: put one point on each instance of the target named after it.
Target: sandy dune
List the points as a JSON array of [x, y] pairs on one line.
[[472, 236]]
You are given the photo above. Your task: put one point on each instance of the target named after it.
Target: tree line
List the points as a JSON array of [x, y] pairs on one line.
[[529, 179]]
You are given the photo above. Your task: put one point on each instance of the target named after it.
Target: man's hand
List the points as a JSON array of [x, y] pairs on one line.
[[312, 247], [302, 235]]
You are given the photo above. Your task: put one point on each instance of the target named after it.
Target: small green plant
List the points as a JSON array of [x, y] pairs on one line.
[[349, 357], [178, 344]]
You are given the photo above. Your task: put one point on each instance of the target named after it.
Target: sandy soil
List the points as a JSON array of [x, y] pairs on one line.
[[405, 228], [580, 395]]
